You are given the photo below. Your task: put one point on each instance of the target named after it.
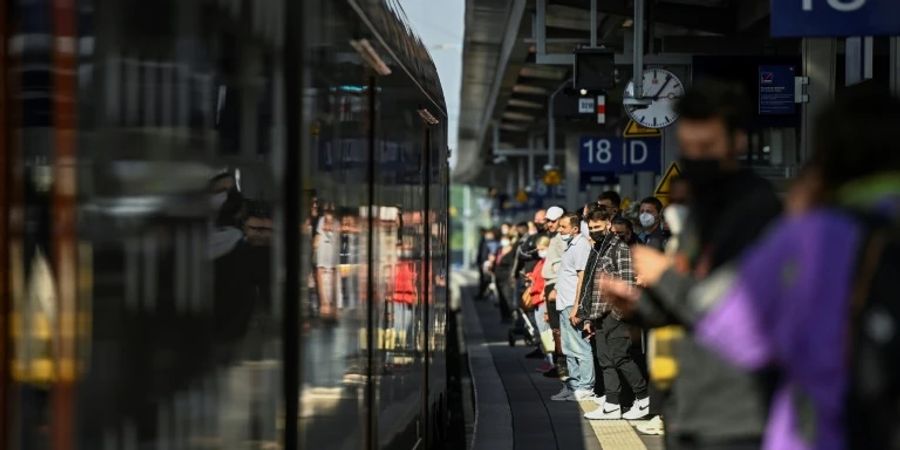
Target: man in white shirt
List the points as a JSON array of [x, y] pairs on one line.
[[579, 359]]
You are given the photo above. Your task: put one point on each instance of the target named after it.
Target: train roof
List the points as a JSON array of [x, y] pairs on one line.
[[389, 23]]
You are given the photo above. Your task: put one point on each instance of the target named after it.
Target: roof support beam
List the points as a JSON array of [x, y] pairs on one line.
[[704, 18]]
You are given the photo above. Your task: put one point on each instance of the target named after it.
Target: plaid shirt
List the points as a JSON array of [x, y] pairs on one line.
[[615, 261]]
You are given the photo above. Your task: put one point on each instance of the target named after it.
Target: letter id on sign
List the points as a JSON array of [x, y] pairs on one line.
[[616, 155], [833, 18]]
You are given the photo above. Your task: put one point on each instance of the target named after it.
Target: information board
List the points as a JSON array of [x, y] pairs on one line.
[[776, 90]]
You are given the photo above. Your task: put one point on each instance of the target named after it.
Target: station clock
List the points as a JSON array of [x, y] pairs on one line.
[[656, 108]]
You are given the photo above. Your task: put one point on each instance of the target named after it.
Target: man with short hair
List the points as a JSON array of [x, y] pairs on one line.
[[611, 200], [715, 404], [652, 234], [579, 360], [611, 257]]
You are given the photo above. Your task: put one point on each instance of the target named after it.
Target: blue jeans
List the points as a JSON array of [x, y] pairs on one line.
[[579, 359]]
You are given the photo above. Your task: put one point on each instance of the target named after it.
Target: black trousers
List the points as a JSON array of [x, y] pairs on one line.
[[613, 346]]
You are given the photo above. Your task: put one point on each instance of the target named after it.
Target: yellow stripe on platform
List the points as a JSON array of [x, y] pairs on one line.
[[613, 434]]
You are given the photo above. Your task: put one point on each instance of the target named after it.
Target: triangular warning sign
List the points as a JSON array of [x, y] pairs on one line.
[[636, 130], [662, 189]]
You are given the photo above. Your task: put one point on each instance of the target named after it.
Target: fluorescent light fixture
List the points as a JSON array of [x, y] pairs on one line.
[[528, 89], [370, 56], [512, 127], [521, 117], [519, 103]]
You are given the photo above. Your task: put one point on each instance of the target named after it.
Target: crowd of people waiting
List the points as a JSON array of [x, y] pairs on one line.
[[773, 321]]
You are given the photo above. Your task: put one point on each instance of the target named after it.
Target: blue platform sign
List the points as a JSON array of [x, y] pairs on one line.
[[776, 90], [602, 159], [833, 18]]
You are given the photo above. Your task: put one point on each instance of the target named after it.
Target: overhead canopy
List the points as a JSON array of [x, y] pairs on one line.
[[503, 86]]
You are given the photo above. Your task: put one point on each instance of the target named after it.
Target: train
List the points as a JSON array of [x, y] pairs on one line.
[[225, 226]]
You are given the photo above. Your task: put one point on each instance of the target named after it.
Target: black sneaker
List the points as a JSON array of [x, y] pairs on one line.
[[535, 354]]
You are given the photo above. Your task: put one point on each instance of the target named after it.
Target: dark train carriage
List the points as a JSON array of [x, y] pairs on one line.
[[225, 226]]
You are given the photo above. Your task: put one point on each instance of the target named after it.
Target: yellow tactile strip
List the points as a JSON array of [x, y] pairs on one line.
[[613, 434]]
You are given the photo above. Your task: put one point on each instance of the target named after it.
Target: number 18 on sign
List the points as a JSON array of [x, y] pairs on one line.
[[617, 155]]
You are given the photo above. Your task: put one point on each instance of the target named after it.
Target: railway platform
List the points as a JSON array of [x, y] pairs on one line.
[[513, 410]]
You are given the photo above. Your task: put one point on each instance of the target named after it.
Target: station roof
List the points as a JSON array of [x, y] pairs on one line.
[[503, 85]]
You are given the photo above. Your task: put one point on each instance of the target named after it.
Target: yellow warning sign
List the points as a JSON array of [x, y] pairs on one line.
[[636, 130], [662, 189], [521, 196]]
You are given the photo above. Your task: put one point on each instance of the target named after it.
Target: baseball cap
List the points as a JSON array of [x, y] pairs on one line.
[[554, 213]]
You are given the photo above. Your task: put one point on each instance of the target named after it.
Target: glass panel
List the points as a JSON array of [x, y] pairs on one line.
[[399, 256], [148, 147], [334, 236]]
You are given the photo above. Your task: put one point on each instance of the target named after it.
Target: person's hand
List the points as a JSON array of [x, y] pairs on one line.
[[589, 329], [620, 294], [547, 317], [649, 264], [573, 318], [552, 296]]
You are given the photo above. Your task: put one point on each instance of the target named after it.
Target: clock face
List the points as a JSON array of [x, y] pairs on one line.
[[661, 90]]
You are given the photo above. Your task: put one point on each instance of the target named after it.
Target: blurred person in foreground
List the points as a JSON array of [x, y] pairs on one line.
[[712, 404], [816, 302]]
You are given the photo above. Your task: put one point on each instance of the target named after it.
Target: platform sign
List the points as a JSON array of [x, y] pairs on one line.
[[602, 159], [832, 18], [776, 90], [585, 105]]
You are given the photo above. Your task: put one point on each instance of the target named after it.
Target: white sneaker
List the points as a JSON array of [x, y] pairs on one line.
[[583, 394], [639, 410], [564, 394], [600, 401], [653, 426], [609, 411]]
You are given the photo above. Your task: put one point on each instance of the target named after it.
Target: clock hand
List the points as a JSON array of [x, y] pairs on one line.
[[660, 91]]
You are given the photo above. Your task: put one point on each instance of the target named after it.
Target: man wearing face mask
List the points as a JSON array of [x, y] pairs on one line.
[[611, 257], [652, 234], [579, 360], [713, 405]]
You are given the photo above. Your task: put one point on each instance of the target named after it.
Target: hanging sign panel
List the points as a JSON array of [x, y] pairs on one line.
[[834, 18], [776, 90]]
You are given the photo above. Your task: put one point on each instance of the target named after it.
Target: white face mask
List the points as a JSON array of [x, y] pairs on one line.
[[567, 237], [217, 200], [675, 216], [647, 219], [542, 254], [504, 242]]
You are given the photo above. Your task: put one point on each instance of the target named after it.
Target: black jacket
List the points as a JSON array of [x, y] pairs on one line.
[[714, 400]]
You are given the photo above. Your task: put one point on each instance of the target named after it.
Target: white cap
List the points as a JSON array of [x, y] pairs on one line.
[[554, 213]]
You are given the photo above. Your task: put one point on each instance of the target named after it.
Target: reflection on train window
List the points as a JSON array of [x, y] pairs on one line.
[[145, 261]]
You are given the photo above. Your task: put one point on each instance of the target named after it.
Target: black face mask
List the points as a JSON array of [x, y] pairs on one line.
[[540, 227], [597, 236], [702, 173]]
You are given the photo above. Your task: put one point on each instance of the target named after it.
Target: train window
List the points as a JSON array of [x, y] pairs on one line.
[[147, 249], [334, 363]]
